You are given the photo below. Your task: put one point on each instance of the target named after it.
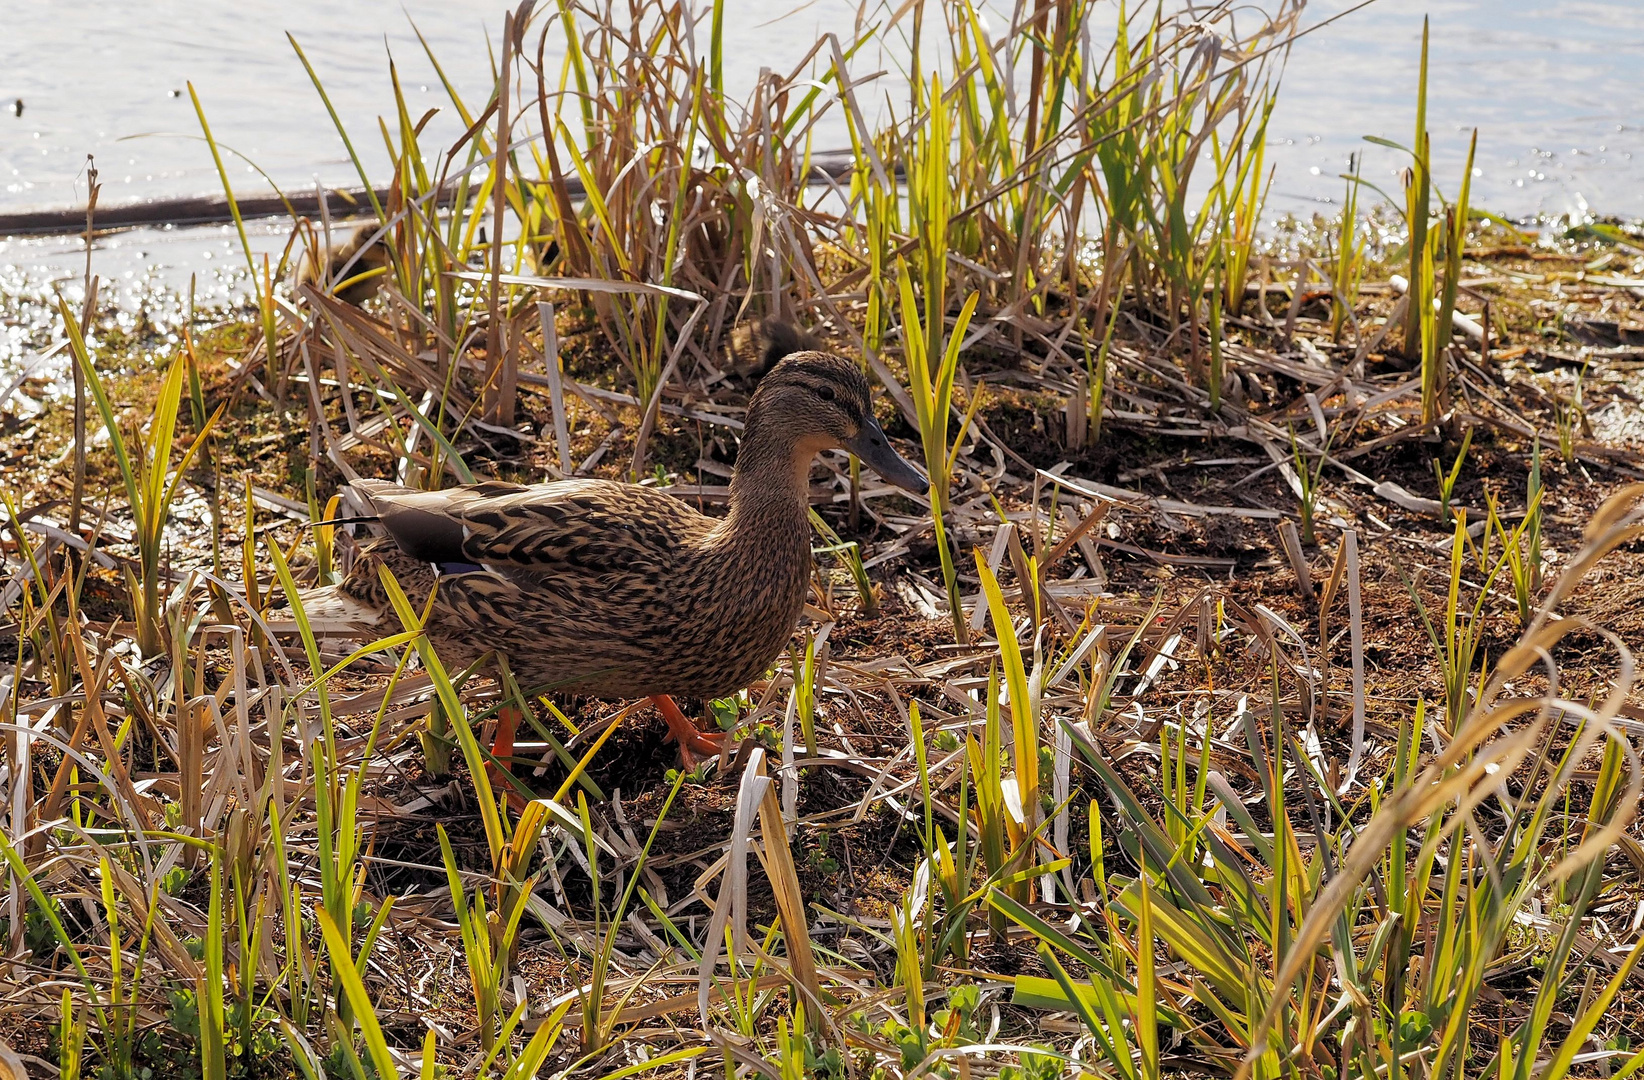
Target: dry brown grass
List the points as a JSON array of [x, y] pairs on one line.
[[1226, 755]]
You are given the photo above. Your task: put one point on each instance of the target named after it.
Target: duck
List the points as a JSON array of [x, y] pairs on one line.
[[613, 590], [354, 269], [755, 347]]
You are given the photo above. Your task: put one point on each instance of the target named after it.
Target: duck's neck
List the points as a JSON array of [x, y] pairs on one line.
[[770, 489]]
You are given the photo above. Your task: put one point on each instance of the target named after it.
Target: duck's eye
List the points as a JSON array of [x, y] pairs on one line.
[[825, 393]]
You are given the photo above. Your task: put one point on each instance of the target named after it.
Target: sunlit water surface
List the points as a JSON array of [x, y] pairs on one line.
[[1555, 89]]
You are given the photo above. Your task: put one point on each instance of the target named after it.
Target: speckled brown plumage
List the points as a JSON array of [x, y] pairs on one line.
[[614, 590], [346, 265], [755, 347]]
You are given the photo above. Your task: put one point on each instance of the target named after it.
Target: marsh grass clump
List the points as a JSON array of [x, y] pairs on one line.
[[1069, 780]]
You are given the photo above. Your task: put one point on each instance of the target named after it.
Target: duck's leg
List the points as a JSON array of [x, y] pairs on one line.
[[502, 748], [692, 740]]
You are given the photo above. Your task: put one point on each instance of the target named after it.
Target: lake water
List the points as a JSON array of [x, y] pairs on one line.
[[1555, 89]]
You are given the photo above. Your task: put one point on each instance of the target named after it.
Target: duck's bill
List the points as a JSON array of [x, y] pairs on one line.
[[877, 453]]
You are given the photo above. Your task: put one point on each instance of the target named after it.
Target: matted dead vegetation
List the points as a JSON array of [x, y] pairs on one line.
[[1252, 695]]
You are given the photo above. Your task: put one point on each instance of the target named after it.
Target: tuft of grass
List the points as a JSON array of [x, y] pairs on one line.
[[1350, 244], [1447, 480], [1308, 476], [1569, 419], [1458, 639], [1520, 553], [848, 552], [150, 480], [932, 367], [1430, 304]]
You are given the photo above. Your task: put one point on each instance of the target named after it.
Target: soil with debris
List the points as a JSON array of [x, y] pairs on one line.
[[1186, 560]]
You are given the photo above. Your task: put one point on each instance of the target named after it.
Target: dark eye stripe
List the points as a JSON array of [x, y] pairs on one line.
[[846, 384]]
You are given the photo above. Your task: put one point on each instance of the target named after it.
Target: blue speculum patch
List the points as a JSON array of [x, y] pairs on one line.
[[446, 569]]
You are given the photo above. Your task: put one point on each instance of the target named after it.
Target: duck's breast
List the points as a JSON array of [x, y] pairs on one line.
[[739, 618]]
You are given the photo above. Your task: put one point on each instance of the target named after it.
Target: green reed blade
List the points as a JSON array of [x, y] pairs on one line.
[[336, 121]]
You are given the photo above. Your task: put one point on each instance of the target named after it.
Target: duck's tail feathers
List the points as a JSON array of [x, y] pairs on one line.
[[360, 495], [332, 613]]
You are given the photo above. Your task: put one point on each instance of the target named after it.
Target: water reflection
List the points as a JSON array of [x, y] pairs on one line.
[[1551, 86]]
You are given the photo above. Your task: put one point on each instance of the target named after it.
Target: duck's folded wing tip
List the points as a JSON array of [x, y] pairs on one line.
[[330, 612]]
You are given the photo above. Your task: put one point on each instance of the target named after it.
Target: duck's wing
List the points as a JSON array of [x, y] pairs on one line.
[[426, 525], [580, 527]]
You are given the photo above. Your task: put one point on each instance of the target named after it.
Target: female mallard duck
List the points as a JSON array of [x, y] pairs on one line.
[[614, 590]]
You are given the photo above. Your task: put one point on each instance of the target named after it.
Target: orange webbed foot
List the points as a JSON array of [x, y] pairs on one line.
[[692, 740], [502, 748]]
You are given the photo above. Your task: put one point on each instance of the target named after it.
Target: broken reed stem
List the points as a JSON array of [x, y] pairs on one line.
[[1355, 616], [191, 771], [78, 498], [1290, 540], [556, 386]]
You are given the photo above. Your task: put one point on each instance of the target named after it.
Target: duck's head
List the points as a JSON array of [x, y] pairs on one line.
[[816, 401]]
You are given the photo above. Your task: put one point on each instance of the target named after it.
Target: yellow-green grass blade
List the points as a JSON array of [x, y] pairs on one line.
[[1082, 1004], [209, 989], [673, 1057], [342, 132], [359, 998], [1147, 982], [105, 407], [44, 905], [1195, 944], [228, 189], [1024, 917], [1024, 719], [495, 835]]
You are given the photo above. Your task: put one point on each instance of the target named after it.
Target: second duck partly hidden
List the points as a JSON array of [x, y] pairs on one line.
[[614, 590]]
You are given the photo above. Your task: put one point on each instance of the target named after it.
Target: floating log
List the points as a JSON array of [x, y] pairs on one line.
[[197, 210], [214, 209]]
